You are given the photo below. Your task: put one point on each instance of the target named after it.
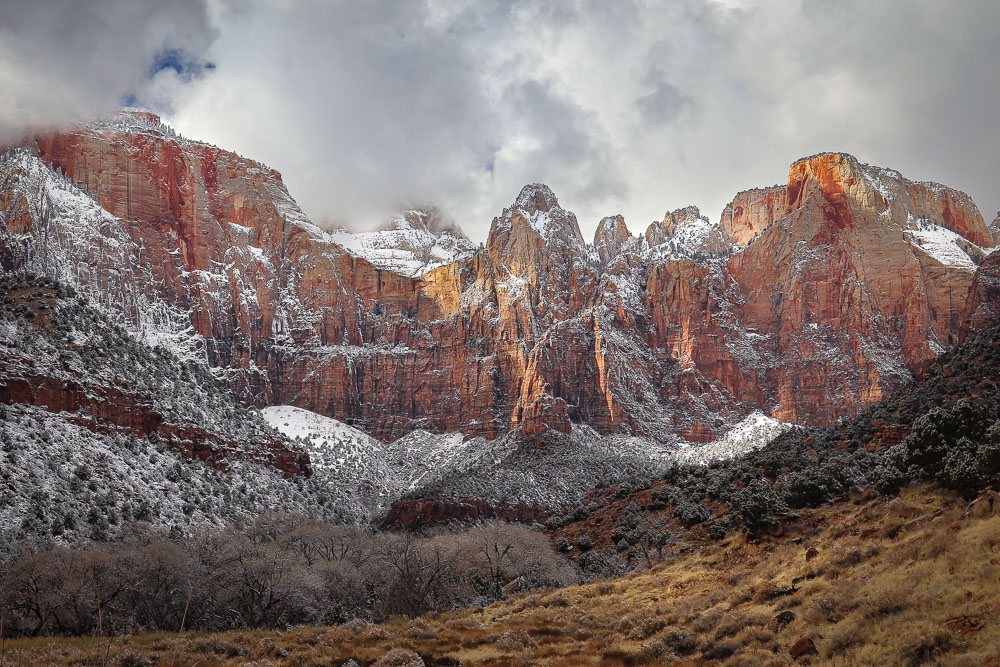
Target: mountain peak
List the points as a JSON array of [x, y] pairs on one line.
[[136, 112], [611, 235], [688, 233], [673, 222], [409, 243], [536, 197], [828, 156], [851, 187], [537, 208]]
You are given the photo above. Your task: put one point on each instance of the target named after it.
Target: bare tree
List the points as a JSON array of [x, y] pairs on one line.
[[420, 573], [502, 552], [265, 572]]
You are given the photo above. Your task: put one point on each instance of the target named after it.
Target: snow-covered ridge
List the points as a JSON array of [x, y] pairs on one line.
[[372, 472], [131, 120], [406, 245], [686, 233], [375, 474]]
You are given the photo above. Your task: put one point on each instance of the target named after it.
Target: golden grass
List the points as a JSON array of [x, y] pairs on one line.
[[888, 577]]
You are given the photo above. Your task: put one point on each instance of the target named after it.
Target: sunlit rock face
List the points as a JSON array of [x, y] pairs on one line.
[[751, 212], [807, 301], [868, 274]]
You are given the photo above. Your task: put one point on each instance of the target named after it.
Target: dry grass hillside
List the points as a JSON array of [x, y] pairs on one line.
[[909, 580]]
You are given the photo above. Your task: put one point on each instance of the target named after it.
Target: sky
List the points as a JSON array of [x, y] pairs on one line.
[[633, 106]]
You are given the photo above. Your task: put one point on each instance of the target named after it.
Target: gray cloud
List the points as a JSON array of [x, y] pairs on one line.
[[63, 60], [630, 107], [665, 104]]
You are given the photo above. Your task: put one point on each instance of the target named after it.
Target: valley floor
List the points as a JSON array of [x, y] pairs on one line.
[[866, 581]]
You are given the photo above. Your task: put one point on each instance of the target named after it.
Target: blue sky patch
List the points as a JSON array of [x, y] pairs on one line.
[[179, 61]]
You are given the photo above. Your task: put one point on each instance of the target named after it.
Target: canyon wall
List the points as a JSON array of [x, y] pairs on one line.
[[808, 301]]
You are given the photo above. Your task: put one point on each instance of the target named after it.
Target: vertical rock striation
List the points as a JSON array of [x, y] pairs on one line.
[[808, 301]]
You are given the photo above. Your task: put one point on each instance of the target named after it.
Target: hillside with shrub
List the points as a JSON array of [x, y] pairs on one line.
[[942, 428], [908, 580], [100, 431]]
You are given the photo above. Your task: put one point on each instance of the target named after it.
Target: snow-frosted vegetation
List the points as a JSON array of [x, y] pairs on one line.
[[551, 470], [71, 475], [753, 433], [63, 481], [48, 331]]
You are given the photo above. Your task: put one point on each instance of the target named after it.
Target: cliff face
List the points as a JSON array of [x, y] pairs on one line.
[[868, 273], [611, 235], [284, 313], [808, 301], [751, 212]]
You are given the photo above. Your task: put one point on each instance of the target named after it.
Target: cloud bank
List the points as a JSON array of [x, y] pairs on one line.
[[64, 60], [632, 107]]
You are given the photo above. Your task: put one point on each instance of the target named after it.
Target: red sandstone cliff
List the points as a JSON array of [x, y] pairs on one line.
[[753, 211], [809, 301]]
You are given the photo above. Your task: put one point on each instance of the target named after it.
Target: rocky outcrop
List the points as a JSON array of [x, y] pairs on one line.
[[611, 235], [751, 212], [688, 232], [802, 648], [855, 277]]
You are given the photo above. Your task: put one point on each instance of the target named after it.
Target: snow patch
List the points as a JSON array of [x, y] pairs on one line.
[[403, 248], [754, 432], [943, 245]]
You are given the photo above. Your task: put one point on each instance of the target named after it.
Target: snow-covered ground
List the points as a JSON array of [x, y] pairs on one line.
[[64, 480], [557, 472], [342, 456], [376, 473]]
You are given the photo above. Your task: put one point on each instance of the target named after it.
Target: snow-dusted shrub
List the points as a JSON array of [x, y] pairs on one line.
[[757, 506]]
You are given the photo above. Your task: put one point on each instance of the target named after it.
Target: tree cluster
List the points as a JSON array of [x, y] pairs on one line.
[[271, 571]]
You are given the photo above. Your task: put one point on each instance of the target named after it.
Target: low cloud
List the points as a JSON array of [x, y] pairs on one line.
[[64, 60], [629, 107]]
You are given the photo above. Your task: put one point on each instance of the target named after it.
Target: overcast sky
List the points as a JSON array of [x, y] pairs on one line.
[[629, 107]]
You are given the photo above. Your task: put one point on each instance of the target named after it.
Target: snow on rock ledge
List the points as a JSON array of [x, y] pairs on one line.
[[411, 243], [754, 432]]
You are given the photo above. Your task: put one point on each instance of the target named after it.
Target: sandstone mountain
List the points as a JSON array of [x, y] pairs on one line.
[[808, 301]]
